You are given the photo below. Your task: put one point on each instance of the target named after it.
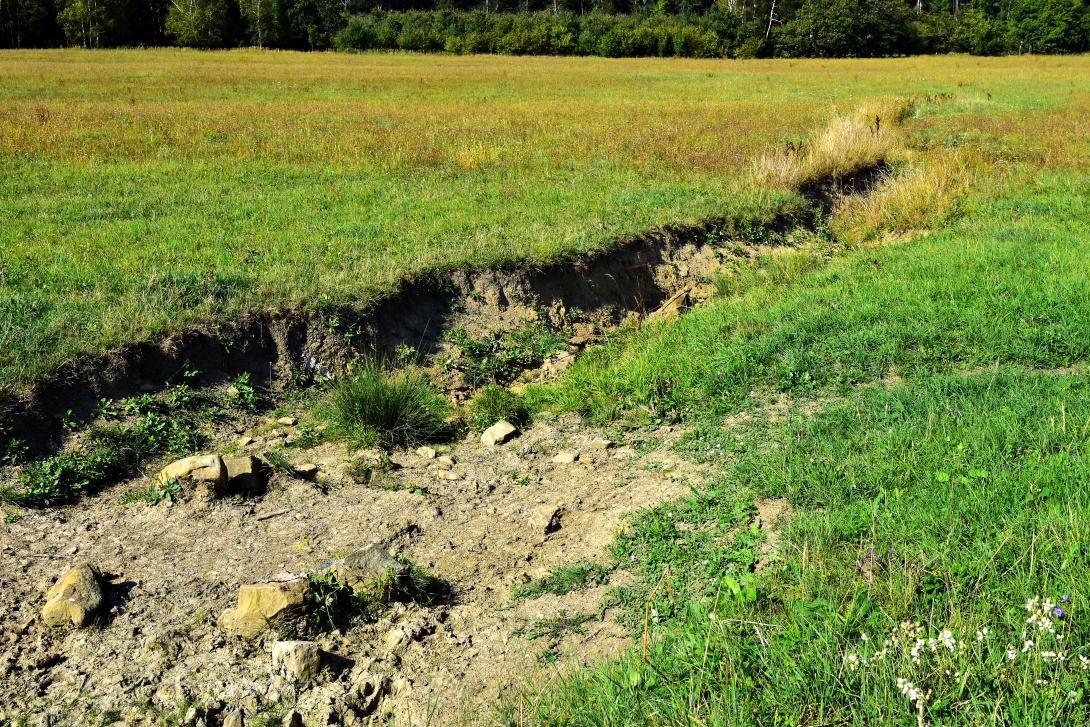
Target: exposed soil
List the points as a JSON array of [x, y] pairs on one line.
[[172, 568]]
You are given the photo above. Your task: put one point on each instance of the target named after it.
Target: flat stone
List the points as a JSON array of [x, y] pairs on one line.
[[245, 441], [307, 470], [498, 433], [287, 421], [600, 444], [299, 659], [566, 457], [202, 469], [74, 598], [261, 605], [445, 462], [426, 452]]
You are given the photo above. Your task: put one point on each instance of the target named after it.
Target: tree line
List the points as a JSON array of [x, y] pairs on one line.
[[690, 28]]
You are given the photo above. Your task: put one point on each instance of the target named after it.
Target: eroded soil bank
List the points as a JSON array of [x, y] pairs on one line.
[[632, 276]]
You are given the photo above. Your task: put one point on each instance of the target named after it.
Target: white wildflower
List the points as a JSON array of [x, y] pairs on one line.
[[908, 689]]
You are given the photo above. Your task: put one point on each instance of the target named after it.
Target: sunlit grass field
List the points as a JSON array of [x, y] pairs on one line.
[[918, 407], [146, 190]]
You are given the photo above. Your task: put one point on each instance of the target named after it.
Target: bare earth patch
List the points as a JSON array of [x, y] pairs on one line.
[[481, 526]]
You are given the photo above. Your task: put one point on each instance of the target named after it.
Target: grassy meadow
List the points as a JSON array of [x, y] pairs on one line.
[[145, 190], [919, 406], [910, 385]]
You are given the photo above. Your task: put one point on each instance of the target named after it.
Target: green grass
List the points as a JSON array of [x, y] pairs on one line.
[[931, 437], [126, 435], [1007, 284]]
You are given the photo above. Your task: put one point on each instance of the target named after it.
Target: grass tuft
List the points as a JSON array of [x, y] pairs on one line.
[[375, 407], [847, 145], [493, 403], [565, 579]]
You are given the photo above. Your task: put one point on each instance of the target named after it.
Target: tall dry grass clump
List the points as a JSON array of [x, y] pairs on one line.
[[919, 196], [864, 139]]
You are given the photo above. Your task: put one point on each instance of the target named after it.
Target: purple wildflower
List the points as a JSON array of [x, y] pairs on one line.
[[1065, 598], [1058, 611]]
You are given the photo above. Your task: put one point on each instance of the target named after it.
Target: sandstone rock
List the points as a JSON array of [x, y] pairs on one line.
[[498, 433], [300, 659], [426, 452], [74, 598], [233, 718], [245, 441], [545, 519], [202, 469], [672, 307], [369, 567], [600, 444], [395, 638], [292, 719], [263, 604], [244, 473], [566, 457], [307, 470], [287, 421], [445, 462]]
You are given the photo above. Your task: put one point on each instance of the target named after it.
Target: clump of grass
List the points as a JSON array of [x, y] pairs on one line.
[[334, 604], [847, 145], [154, 493], [565, 580], [374, 407], [493, 403], [918, 197], [280, 464]]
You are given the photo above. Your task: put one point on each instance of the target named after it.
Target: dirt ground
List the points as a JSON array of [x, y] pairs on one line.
[[499, 517]]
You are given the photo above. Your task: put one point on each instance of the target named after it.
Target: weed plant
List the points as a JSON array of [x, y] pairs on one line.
[[563, 580], [500, 356]]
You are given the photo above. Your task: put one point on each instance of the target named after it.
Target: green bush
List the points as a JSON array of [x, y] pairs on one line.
[[375, 407]]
